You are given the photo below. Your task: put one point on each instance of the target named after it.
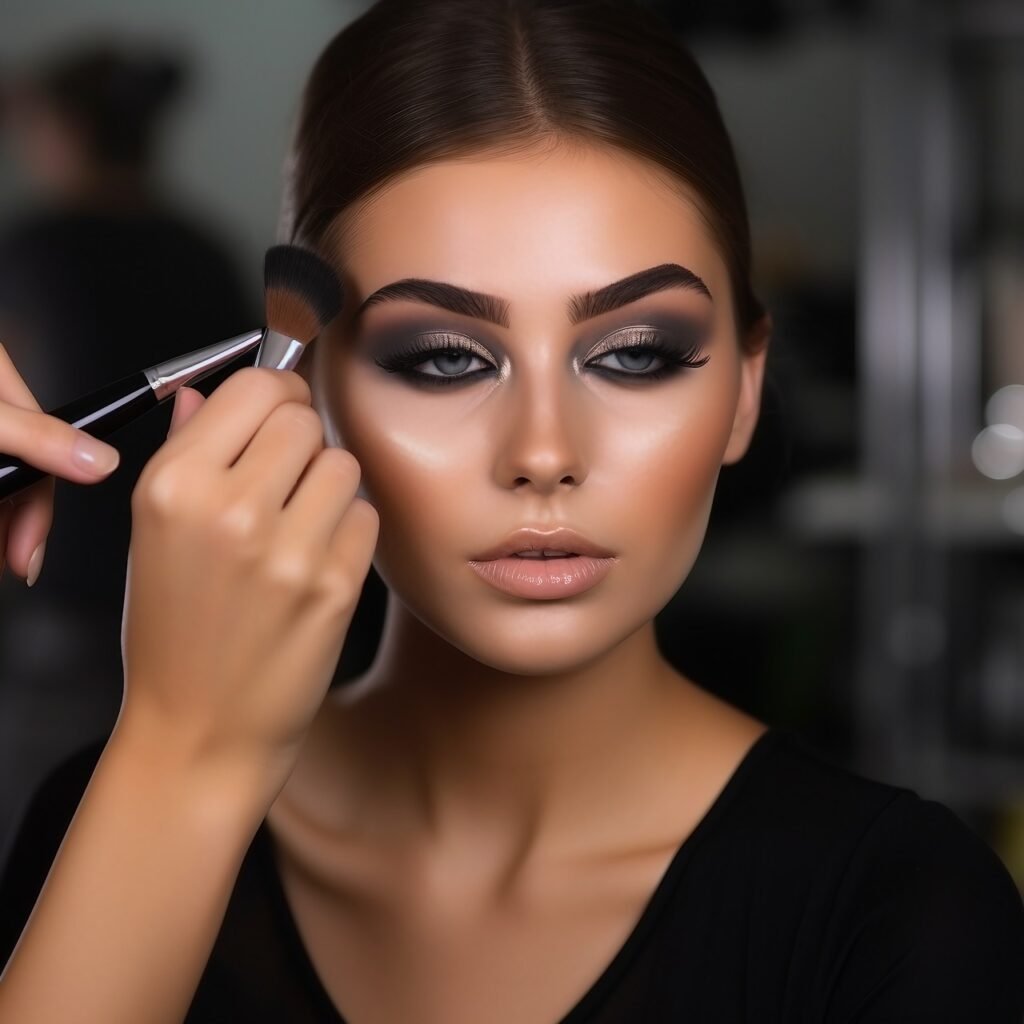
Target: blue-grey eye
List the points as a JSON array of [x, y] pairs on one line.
[[647, 355], [635, 361], [451, 361], [423, 360], [438, 358]]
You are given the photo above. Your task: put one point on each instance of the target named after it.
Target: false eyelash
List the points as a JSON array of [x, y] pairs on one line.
[[420, 349], [675, 358]]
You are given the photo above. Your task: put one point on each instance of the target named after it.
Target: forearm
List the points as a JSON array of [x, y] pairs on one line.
[[129, 913]]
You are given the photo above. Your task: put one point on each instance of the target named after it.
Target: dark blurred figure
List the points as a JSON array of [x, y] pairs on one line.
[[103, 277]]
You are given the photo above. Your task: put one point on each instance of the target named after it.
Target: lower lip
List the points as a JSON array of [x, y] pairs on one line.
[[544, 578]]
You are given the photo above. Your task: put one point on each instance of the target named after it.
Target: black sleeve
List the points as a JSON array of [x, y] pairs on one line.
[[42, 829], [933, 925]]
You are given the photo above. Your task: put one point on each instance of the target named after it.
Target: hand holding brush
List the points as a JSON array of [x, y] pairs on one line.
[[56, 448], [302, 296]]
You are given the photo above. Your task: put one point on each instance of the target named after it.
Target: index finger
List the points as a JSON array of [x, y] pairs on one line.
[[228, 420]]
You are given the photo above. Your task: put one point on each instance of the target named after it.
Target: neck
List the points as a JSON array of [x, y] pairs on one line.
[[453, 746]]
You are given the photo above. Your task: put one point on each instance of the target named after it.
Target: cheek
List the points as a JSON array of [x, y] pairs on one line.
[[418, 465], [660, 468], [669, 460], [677, 499], [681, 470]]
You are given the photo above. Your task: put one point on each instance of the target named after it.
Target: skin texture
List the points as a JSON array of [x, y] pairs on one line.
[[474, 825]]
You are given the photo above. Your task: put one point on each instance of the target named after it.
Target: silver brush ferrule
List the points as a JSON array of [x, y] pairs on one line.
[[165, 378], [279, 351]]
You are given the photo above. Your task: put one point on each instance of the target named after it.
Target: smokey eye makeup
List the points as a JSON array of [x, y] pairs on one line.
[[632, 355]]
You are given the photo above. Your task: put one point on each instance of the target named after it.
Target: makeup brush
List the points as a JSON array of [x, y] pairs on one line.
[[302, 295]]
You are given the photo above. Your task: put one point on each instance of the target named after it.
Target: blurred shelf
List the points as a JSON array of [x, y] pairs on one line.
[[955, 776], [849, 508]]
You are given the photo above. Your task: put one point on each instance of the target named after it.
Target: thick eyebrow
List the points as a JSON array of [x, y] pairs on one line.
[[584, 306]]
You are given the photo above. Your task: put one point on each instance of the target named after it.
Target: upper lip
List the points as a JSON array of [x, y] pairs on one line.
[[529, 539]]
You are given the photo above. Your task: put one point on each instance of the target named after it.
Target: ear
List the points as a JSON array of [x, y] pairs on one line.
[[748, 407]]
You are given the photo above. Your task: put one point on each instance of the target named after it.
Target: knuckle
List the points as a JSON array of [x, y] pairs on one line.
[[289, 570], [338, 590], [237, 521], [157, 489]]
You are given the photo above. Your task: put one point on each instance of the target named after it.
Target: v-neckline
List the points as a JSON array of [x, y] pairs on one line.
[[614, 967]]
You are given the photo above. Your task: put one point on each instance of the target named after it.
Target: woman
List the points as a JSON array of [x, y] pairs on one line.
[[520, 812]]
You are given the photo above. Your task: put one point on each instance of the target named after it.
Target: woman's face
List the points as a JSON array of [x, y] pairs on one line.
[[467, 430]]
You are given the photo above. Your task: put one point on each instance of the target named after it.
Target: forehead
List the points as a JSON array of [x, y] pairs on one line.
[[538, 224]]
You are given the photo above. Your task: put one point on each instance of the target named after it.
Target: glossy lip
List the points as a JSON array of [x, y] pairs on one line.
[[530, 539], [543, 579], [548, 578]]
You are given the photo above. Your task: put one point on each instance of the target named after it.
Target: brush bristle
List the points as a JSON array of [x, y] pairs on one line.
[[303, 294]]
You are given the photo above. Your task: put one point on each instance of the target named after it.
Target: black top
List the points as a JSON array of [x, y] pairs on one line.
[[807, 894]]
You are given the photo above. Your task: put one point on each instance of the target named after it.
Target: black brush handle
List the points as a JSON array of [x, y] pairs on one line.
[[99, 413]]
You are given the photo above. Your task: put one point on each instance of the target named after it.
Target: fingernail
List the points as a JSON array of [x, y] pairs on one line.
[[35, 563], [93, 455]]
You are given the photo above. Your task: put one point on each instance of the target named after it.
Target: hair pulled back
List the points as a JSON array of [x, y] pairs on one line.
[[411, 82]]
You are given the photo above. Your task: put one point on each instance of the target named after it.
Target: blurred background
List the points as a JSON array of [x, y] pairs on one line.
[[862, 581]]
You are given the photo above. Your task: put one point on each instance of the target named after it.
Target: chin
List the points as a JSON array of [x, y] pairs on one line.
[[557, 658], [539, 638]]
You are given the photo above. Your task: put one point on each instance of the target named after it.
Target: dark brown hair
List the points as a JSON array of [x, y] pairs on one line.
[[411, 82]]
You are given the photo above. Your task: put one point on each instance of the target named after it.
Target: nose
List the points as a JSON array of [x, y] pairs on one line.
[[543, 433]]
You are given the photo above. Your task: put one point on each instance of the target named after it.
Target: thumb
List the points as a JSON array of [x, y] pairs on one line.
[[186, 401]]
